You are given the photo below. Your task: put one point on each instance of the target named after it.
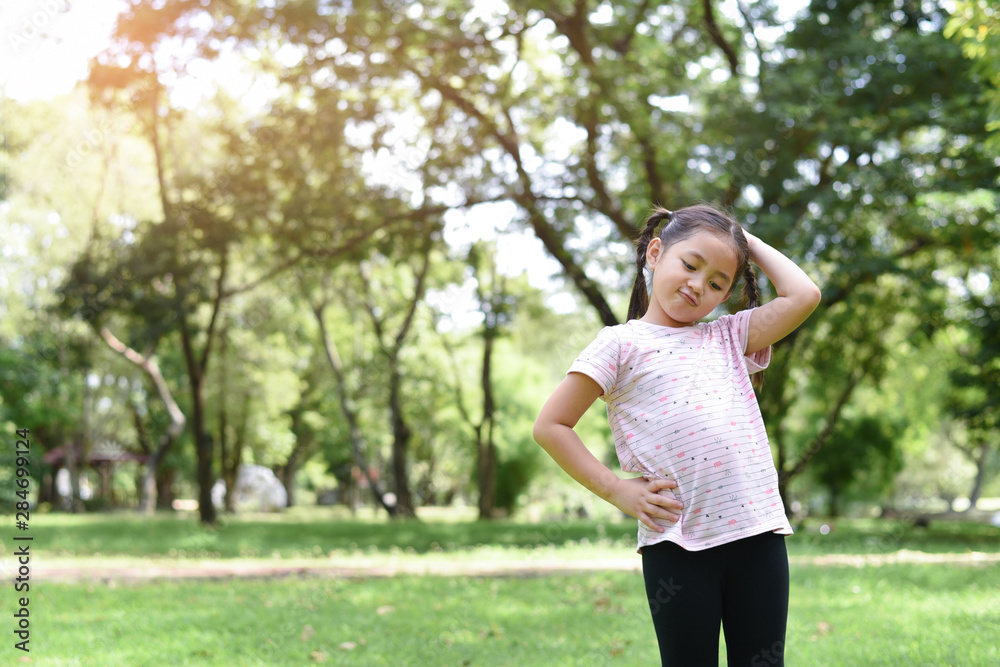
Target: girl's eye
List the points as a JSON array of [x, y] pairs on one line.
[[715, 287], [687, 266]]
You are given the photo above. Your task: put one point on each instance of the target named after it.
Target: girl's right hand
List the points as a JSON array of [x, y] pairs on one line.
[[641, 498]]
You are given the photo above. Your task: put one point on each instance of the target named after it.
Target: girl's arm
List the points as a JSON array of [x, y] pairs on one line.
[[798, 296], [553, 430]]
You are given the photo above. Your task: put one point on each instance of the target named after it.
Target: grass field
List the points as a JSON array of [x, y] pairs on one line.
[[315, 533], [900, 614]]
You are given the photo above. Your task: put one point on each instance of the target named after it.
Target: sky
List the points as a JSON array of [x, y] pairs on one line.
[[45, 45]]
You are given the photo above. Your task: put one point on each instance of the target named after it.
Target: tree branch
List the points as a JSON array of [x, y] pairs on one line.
[[605, 204], [216, 307], [719, 39], [546, 233], [824, 435], [418, 290], [148, 364]]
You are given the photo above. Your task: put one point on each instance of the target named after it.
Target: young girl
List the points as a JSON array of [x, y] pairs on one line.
[[684, 415]]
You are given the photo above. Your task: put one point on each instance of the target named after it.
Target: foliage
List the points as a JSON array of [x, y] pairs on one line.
[[852, 136], [860, 459], [976, 25]]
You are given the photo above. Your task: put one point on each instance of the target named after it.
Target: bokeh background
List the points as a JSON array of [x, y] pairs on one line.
[[332, 256]]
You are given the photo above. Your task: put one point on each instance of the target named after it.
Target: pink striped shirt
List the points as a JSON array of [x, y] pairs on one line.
[[681, 407]]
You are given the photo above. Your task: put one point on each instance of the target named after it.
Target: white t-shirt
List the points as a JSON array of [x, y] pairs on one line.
[[681, 407]]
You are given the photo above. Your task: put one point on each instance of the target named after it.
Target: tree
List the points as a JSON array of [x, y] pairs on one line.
[[973, 401], [390, 347], [497, 304], [148, 363], [976, 26], [572, 109], [220, 215], [319, 300], [860, 459]]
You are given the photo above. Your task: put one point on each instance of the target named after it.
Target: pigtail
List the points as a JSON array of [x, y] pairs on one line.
[[752, 296], [750, 291], [639, 301]]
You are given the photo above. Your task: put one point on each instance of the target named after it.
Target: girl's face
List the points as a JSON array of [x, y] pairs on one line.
[[690, 278]]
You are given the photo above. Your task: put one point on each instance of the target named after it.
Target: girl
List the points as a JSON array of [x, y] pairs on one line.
[[683, 415]]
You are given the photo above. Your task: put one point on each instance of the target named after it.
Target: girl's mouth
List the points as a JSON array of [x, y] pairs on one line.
[[690, 299]]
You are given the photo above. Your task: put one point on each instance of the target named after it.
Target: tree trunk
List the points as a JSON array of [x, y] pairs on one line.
[[148, 487], [287, 478], [400, 445], [232, 460], [104, 490], [197, 369], [73, 465], [487, 478], [224, 453], [400, 431], [286, 472], [202, 440], [357, 439], [833, 509], [164, 493], [487, 463], [224, 422], [977, 483], [203, 448]]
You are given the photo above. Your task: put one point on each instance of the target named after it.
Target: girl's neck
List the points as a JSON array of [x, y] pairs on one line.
[[664, 325]]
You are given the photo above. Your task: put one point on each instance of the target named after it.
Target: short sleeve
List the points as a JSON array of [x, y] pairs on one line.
[[739, 327], [599, 360]]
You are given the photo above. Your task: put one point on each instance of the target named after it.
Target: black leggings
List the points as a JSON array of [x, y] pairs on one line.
[[742, 584]]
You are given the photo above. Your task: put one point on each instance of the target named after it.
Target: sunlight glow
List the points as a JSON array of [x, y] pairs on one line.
[[45, 45]]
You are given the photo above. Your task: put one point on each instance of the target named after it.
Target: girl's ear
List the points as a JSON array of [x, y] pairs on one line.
[[653, 251]]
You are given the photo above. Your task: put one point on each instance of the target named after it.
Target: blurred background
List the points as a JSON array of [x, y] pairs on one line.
[[338, 253], [284, 284]]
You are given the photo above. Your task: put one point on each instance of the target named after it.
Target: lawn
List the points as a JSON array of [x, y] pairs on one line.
[[892, 615], [901, 614], [309, 533]]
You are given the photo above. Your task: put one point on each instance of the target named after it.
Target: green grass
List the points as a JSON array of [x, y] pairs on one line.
[[866, 536], [892, 615], [299, 536], [898, 614], [320, 534]]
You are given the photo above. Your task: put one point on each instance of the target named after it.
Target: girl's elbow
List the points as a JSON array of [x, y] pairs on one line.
[[539, 430], [813, 296]]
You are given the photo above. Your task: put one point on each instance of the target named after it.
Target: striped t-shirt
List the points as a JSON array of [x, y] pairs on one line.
[[681, 407]]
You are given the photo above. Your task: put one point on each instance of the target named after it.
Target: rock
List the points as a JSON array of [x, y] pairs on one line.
[[257, 489]]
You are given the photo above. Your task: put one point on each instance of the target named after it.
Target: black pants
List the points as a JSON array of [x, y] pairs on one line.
[[743, 585]]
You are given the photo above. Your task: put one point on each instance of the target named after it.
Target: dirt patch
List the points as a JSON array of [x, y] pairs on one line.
[[903, 556], [71, 572]]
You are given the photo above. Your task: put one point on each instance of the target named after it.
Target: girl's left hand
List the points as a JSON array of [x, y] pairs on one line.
[[643, 498]]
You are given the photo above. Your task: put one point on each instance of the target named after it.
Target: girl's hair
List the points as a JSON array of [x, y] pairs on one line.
[[679, 225]]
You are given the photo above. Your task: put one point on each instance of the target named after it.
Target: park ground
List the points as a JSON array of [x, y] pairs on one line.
[[315, 587]]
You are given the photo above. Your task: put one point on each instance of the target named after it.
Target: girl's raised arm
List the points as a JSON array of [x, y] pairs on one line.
[[553, 430], [798, 296]]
